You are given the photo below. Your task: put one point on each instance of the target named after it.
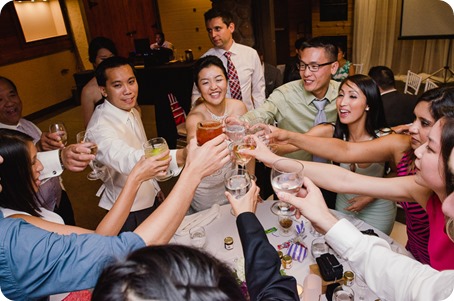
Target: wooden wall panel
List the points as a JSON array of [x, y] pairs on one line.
[[121, 20], [184, 25]]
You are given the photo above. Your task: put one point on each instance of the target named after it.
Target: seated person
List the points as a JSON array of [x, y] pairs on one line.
[[161, 43], [50, 263], [190, 274], [345, 66]]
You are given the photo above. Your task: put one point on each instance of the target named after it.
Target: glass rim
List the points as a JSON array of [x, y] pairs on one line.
[[204, 124], [293, 163], [156, 140]]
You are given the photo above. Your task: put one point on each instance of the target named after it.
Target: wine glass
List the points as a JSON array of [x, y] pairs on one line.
[[240, 158], [60, 129], [97, 173], [154, 147], [235, 128], [286, 176], [343, 293], [207, 130]]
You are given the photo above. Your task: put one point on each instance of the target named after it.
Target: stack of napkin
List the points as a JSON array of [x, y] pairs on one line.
[[200, 219]]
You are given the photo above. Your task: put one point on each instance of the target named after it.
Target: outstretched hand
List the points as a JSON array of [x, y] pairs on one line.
[[147, 168], [279, 136], [75, 157], [246, 203], [208, 158], [261, 152], [50, 141], [310, 203]]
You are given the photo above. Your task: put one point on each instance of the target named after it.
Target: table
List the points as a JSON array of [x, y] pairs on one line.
[[225, 226]]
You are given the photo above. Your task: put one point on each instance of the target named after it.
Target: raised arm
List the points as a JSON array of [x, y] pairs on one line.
[[340, 180], [111, 224], [389, 148], [161, 225]]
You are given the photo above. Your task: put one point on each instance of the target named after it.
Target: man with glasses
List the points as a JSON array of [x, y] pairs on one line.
[[296, 106], [299, 105]]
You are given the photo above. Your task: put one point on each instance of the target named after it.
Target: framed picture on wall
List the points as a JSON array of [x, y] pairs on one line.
[[333, 10]]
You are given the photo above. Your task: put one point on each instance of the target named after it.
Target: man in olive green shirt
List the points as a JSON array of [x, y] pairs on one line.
[[292, 105]]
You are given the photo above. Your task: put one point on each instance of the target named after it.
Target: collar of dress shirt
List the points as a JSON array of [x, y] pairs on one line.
[[388, 91], [118, 113], [233, 49], [10, 127], [331, 93]]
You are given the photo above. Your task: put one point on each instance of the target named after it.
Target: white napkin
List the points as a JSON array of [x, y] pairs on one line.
[[201, 218]]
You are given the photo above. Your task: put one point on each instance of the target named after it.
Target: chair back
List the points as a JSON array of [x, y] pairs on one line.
[[430, 85], [358, 68], [413, 83], [179, 116]]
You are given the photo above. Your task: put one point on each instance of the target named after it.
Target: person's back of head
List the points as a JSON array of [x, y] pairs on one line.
[[322, 42], [99, 43], [227, 17], [169, 272], [16, 173], [112, 62], [383, 76]]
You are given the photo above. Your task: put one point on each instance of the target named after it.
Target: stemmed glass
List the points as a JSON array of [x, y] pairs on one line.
[[285, 221], [97, 173], [240, 158], [60, 129], [286, 176]]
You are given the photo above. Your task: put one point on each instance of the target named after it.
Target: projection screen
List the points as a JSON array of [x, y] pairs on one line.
[[427, 19]]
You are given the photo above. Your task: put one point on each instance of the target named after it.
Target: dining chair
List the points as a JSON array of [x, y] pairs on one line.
[[413, 82], [179, 116], [430, 85], [358, 68]]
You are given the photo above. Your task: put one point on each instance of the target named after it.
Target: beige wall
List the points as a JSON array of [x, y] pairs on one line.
[[76, 19], [43, 82], [179, 22]]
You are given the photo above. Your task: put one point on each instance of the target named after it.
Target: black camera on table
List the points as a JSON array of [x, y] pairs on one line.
[[330, 268]]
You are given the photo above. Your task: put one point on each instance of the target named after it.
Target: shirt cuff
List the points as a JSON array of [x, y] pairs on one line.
[[51, 164], [173, 166], [336, 236]]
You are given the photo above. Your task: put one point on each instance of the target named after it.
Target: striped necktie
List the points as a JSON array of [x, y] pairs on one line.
[[234, 82]]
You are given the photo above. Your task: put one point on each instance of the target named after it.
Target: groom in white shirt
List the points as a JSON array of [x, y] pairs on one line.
[[118, 131]]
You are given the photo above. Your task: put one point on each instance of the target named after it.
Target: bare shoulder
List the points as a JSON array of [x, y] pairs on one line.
[[91, 92], [236, 106]]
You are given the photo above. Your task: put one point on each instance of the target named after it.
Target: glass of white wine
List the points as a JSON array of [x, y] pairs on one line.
[[97, 173], [154, 147], [60, 129], [241, 158], [286, 176]]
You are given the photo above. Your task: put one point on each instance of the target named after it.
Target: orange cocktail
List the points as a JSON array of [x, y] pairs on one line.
[[207, 130]]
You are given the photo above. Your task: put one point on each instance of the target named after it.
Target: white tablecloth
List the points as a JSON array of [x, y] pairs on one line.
[[225, 226]]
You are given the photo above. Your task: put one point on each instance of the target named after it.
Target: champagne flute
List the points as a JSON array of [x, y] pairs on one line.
[[286, 176], [97, 173], [60, 129], [154, 147]]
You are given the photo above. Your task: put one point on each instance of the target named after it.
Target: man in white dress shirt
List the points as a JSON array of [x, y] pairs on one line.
[[247, 63], [117, 129], [51, 195]]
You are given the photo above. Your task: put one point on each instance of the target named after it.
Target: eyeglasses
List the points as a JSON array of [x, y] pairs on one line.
[[312, 67]]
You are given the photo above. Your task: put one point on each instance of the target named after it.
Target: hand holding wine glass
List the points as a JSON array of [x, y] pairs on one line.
[[60, 129], [286, 176], [97, 173], [234, 128]]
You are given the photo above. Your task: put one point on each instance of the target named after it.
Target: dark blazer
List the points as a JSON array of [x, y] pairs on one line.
[[398, 108], [263, 277], [273, 78]]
